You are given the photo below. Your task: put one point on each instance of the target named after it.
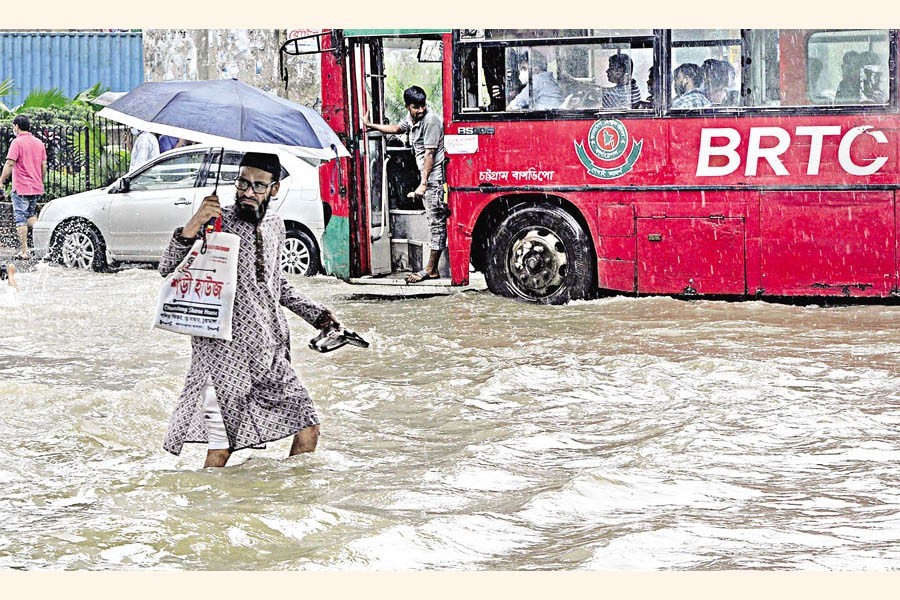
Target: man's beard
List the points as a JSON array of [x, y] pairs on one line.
[[250, 213]]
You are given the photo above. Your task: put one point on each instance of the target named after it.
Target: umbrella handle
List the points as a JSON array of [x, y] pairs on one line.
[[214, 224], [219, 170]]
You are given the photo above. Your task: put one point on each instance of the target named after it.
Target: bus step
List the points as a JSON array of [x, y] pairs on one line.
[[395, 285]]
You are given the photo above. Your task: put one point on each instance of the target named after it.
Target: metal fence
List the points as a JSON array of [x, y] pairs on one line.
[[79, 158]]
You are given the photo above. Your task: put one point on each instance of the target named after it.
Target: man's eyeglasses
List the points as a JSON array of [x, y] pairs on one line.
[[258, 186]]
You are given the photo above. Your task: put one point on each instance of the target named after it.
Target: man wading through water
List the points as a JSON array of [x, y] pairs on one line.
[[426, 134], [243, 393]]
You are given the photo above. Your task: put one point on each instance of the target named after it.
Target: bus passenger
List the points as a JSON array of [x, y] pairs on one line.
[[849, 87], [718, 82], [625, 92], [872, 89], [426, 134], [688, 79], [547, 94], [652, 78]]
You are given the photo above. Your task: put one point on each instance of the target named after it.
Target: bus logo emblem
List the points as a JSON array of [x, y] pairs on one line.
[[608, 141]]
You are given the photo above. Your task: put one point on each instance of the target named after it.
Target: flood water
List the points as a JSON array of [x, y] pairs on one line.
[[475, 433]]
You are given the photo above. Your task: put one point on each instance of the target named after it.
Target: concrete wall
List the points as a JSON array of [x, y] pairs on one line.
[[250, 55]]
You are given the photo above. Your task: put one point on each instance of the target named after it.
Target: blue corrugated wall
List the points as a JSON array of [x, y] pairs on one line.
[[70, 61]]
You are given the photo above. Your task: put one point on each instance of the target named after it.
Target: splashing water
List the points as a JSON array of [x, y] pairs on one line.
[[475, 433]]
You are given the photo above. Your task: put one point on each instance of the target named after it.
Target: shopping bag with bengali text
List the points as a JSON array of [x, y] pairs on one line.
[[197, 298]]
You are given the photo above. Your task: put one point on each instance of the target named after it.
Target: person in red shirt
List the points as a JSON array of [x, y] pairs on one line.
[[26, 161]]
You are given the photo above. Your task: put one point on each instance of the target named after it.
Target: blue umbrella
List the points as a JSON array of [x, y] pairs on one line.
[[227, 113]]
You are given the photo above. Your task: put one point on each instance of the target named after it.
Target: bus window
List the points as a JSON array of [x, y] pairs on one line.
[[485, 79], [538, 85], [848, 67], [406, 65], [568, 72], [717, 52]]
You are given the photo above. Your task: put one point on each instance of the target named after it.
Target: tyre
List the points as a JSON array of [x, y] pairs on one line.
[[80, 246], [300, 255], [540, 254]]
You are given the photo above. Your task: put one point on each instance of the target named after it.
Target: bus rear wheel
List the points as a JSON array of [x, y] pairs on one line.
[[540, 254]]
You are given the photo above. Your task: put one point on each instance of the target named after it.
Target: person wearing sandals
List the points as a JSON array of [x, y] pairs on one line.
[[426, 134], [26, 161]]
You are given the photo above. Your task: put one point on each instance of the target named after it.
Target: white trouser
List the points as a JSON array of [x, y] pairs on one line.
[[212, 416]]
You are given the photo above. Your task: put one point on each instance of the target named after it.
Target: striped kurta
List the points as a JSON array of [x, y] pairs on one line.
[[259, 394]]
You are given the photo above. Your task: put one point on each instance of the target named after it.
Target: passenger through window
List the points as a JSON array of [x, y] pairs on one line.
[[705, 68], [848, 67], [520, 75], [781, 67]]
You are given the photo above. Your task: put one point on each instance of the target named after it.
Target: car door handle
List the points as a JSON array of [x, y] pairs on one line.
[[182, 201]]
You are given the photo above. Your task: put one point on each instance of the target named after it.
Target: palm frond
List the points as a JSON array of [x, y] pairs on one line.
[[91, 93], [6, 86], [45, 98]]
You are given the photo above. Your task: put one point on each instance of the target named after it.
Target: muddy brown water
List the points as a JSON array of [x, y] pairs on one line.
[[476, 433]]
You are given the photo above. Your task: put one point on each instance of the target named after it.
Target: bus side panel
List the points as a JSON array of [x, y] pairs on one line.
[[896, 289], [616, 250], [828, 243], [691, 256], [752, 243], [742, 151], [459, 231], [792, 43]]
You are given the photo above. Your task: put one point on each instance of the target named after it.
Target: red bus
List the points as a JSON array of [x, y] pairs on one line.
[[586, 160]]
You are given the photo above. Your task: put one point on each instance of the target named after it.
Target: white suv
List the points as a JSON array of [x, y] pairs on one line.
[[132, 219]]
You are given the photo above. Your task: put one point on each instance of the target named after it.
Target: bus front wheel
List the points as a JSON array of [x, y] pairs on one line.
[[540, 254]]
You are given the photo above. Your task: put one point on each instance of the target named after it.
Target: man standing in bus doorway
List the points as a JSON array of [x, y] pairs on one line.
[[26, 161], [426, 134]]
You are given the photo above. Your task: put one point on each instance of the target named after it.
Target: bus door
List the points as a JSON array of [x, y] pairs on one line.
[[370, 214], [398, 232]]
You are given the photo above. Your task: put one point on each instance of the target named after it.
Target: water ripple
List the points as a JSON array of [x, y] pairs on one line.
[[475, 433]]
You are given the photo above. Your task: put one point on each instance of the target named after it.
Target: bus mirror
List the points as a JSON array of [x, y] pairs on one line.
[[431, 51]]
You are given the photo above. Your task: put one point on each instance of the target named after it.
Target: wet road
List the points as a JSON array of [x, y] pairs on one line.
[[475, 433]]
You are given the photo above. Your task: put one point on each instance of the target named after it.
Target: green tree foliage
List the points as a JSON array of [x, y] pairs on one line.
[[403, 69], [80, 154], [51, 106], [6, 86]]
